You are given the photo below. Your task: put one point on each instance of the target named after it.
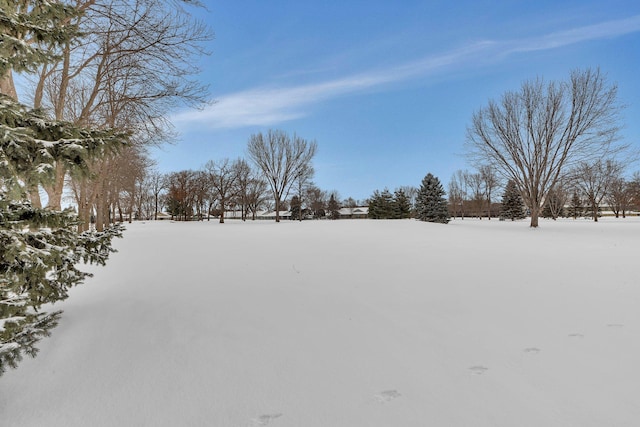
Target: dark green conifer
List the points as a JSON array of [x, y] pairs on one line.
[[576, 207], [333, 207], [431, 205], [512, 204], [401, 205], [39, 248]]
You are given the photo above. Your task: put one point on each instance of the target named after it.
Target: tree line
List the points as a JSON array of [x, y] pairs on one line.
[[583, 191]]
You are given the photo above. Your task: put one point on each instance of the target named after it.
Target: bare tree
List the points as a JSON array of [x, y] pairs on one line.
[[126, 182], [535, 135], [317, 200], [180, 194], [594, 181], [156, 183], [351, 204], [243, 175], [619, 197], [490, 182], [456, 196], [556, 201], [301, 182], [475, 183], [634, 191], [257, 194], [281, 159], [223, 177]]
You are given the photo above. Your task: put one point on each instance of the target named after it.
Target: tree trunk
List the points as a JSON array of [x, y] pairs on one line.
[[55, 190], [34, 197], [535, 214], [84, 210], [7, 87]]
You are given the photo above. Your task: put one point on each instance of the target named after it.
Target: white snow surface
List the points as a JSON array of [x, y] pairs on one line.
[[346, 323]]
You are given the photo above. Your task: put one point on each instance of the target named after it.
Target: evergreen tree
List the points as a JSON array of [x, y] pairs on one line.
[[374, 205], [401, 205], [576, 208], [333, 207], [382, 205], [512, 204], [39, 252], [386, 207], [39, 248], [431, 205], [295, 208], [31, 31]]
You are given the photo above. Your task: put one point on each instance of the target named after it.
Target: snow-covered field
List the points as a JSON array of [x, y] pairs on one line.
[[346, 323]]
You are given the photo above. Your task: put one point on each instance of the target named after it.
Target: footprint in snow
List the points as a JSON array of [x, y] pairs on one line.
[[478, 370], [576, 336], [532, 350], [264, 420], [387, 396], [615, 325]]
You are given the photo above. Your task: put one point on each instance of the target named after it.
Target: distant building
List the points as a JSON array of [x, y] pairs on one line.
[[359, 212]]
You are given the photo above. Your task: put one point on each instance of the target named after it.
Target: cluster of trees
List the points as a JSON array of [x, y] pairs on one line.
[[399, 205], [280, 166], [583, 191], [104, 74], [548, 133], [218, 187], [426, 203], [589, 188], [472, 193]]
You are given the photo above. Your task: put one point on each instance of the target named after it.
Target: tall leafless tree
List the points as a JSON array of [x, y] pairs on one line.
[[281, 159], [537, 134], [302, 182], [619, 197], [475, 183], [243, 174], [180, 198], [317, 200], [222, 176], [490, 183], [155, 183], [256, 195]]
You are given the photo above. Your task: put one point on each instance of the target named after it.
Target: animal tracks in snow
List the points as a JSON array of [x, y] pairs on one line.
[[387, 396], [264, 420], [478, 369]]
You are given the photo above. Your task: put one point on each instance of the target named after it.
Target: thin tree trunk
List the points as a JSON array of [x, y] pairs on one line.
[[7, 87], [56, 189]]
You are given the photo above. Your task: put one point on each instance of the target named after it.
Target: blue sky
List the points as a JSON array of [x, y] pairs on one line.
[[387, 89]]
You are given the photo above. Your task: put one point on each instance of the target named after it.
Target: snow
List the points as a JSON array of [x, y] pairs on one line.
[[346, 323]]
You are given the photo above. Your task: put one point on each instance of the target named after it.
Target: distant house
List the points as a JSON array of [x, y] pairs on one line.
[[272, 215], [358, 212]]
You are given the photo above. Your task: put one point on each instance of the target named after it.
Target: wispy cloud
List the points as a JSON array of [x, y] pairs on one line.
[[264, 106]]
